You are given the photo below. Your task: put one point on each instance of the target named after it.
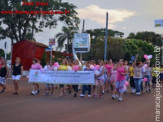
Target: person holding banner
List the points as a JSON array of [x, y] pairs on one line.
[[86, 87], [49, 67], [36, 66], [4, 72], [75, 68], [99, 79], [63, 67], [17, 72]]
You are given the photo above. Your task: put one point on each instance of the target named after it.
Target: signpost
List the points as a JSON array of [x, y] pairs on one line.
[[81, 42], [51, 44], [158, 23]]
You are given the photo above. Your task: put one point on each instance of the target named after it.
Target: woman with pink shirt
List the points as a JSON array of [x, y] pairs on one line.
[[113, 79], [36, 66], [121, 72], [109, 67]]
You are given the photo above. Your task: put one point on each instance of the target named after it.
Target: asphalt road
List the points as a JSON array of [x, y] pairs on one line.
[[27, 108]]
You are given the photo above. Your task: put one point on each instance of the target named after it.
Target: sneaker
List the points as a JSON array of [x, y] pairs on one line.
[[75, 95], [38, 91], [82, 95], [100, 96], [2, 92], [149, 90], [103, 92], [33, 92], [119, 99], [51, 94], [46, 94], [95, 96], [89, 96], [133, 91], [138, 93], [15, 93], [113, 97]]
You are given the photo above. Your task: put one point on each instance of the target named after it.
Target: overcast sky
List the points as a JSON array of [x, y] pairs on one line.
[[124, 15]]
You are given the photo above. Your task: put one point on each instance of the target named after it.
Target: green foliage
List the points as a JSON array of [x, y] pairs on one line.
[[67, 35], [149, 37], [44, 59], [117, 48], [2, 53], [58, 57]]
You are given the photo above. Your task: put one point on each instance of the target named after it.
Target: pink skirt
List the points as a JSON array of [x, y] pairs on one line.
[[113, 78]]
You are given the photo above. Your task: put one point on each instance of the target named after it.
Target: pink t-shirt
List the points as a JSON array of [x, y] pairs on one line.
[[120, 77], [36, 66], [109, 67]]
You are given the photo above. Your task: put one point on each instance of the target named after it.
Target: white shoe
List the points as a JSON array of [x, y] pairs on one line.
[[138, 93], [113, 96], [120, 99], [133, 91], [33, 92], [82, 95], [116, 96], [89, 95]]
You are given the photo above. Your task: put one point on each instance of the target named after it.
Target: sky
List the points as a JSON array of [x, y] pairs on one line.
[[124, 15]]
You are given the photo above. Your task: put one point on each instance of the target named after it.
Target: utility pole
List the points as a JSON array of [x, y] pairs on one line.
[[82, 32], [106, 37]]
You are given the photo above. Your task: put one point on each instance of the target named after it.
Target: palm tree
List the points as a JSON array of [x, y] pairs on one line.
[[66, 35]]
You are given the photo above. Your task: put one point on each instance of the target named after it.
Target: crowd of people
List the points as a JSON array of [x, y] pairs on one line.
[[109, 76]]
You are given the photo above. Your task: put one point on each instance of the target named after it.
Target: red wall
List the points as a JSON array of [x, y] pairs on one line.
[[26, 51]]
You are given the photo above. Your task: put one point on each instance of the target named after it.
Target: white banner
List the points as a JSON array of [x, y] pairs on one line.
[[61, 77]]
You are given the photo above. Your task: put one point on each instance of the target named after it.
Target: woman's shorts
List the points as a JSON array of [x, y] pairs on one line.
[[119, 86], [2, 80], [16, 77]]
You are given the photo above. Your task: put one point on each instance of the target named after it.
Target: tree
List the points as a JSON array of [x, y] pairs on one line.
[[149, 37], [67, 35], [16, 26], [2, 53]]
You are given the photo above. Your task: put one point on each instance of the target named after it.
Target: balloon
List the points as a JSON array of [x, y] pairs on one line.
[[56, 64], [69, 68], [75, 68], [97, 72], [55, 68], [126, 83], [145, 79], [149, 56], [97, 67], [124, 88], [91, 67], [145, 56]]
